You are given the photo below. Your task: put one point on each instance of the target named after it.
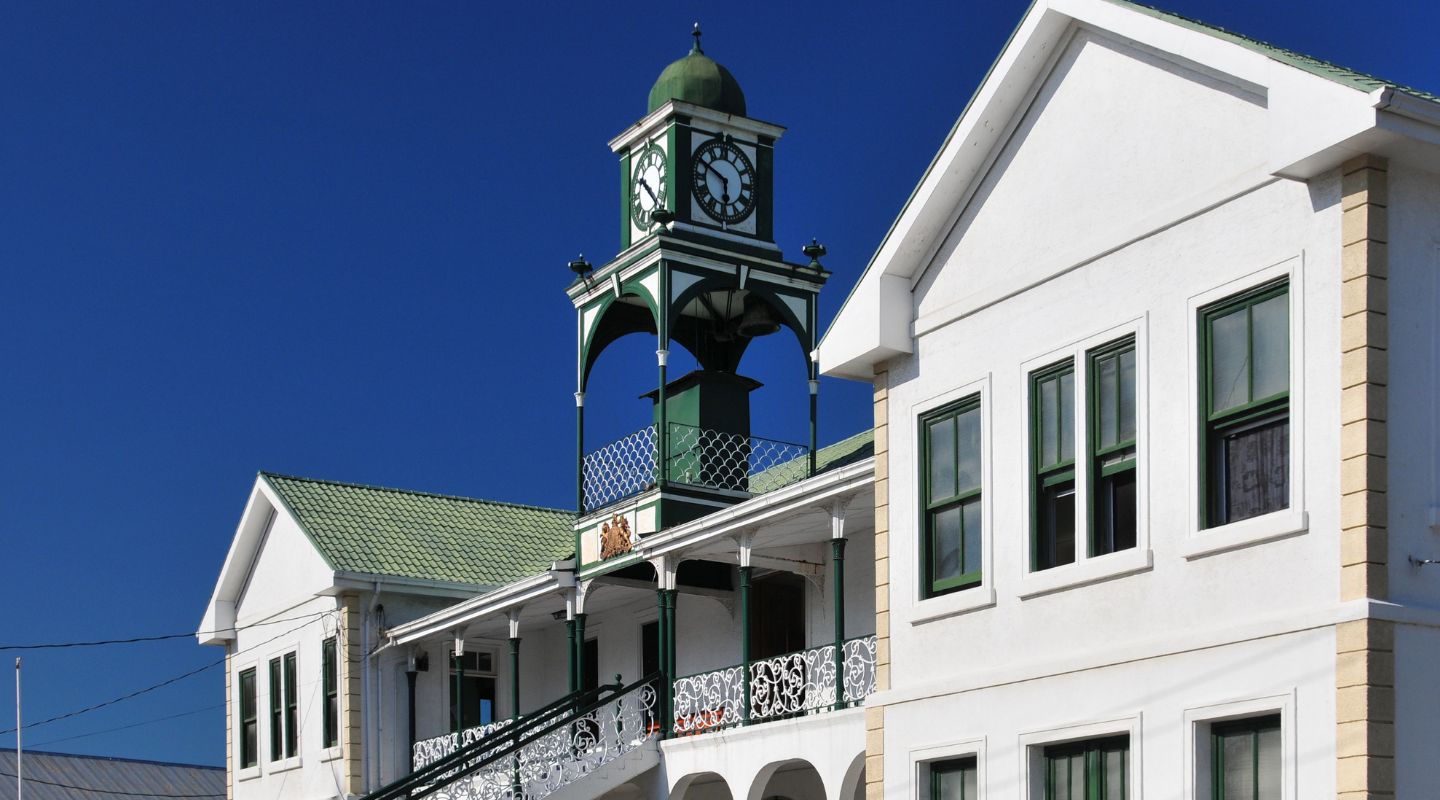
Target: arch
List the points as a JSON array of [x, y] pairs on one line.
[[793, 779], [852, 786], [701, 786], [615, 320], [796, 325]]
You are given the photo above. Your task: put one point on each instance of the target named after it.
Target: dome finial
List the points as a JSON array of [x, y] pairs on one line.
[[696, 34]]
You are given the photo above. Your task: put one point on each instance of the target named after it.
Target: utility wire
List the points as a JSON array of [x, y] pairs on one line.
[[160, 638], [159, 685], [107, 791], [127, 727]]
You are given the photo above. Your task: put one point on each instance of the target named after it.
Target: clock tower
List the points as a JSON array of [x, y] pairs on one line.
[[698, 268]]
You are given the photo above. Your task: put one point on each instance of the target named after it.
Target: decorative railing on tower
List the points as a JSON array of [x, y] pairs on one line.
[[697, 457], [790, 685]]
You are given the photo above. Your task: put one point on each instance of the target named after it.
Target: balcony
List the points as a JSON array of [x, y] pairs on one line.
[[699, 457], [791, 685]]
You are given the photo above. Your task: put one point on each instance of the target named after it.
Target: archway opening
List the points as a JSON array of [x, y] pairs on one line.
[[701, 786], [796, 779]]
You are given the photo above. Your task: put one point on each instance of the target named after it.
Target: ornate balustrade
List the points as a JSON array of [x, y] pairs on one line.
[[697, 457], [427, 751], [790, 685]]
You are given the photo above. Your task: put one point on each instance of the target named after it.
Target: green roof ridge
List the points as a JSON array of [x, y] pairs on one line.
[[417, 493]]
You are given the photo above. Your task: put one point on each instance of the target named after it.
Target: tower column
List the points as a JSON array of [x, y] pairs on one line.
[[457, 668], [580, 452], [745, 573], [662, 357]]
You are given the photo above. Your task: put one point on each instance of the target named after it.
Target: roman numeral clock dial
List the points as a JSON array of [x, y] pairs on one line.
[[647, 187], [724, 181]]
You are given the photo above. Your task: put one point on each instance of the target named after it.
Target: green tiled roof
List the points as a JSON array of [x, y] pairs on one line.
[[843, 453], [1315, 66], [379, 531]]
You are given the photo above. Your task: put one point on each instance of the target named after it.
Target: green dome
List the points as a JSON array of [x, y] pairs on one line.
[[698, 79]]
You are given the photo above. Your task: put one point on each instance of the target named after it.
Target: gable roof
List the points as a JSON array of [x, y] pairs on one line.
[[1321, 114], [63, 776], [379, 531]]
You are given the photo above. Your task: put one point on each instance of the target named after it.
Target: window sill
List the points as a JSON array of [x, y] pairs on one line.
[[949, 605], [248, 773], [330, 753], [285, 765], [1266, 528], [1090, 570]]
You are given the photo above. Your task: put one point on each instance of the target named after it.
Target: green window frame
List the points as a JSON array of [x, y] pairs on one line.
[[277, 711], [1246, 759], [330, 684], [951, 484], [249, 720], [1052, 466], [1245, 405], [1111, 441], [1096, 769], [955, 779], [292, 707]]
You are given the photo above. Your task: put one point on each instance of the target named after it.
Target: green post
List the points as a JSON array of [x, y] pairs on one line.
[[745, 644], [580, 651], [837, 558], [457, 702], [814, 410], [666, 679], [671, 640], [662, 436], [570, 633], [515, 677]]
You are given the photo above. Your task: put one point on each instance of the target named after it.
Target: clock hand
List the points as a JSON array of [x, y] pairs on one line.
[[724, 182], [648, 190]]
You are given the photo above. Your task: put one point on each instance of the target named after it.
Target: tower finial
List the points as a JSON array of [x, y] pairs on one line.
[[696, 34]]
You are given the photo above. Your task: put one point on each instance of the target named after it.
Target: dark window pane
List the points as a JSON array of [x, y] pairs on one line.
[[1229, 360], [1056, 526], [1049, 450], [1270, 326], [942, 459], [277, 712], [970, 521], [292, 706], [249, 724], [968, 434], [946, 553], [1067, 417], [955, 781], [1238, 781], [1267, 779], [1255, 464], [1115, 513], [1107, 381], [1127, 396]]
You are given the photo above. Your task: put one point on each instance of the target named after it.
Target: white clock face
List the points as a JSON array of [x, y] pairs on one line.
[[647, 186], [724, 181]]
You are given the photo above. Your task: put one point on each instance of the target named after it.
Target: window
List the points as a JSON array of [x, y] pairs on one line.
[[1245, 396], [1098, 769], [1053, 466], [277, 711], [292, 706], [950, 458], [477, 688], [249, 721], [954, 780], [1112, 448], [330, 678], [1245, 759]]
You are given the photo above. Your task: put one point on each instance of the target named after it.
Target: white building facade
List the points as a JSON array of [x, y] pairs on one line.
[[1141, 342]]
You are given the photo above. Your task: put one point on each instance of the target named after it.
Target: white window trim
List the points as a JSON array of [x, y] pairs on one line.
[[1286, 522], [1197, 740], [283, 764], [922, 757], [1087, 569], [929, 609], [1033, 744]]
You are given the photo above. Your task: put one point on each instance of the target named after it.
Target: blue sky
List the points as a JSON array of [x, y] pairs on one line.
[[330, 240]]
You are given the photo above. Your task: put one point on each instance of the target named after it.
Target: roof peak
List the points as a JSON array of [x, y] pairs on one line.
[[415, 493]]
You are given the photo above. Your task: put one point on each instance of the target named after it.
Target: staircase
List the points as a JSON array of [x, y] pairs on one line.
[[576, 748]]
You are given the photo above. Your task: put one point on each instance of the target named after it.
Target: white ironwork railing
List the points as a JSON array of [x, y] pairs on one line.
[[697, 457], [574, 749], [427, 751], [790, 685]]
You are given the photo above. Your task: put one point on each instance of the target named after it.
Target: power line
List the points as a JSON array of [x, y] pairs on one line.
[[107, 791], [159, 638], [128, 727], [159, 685]]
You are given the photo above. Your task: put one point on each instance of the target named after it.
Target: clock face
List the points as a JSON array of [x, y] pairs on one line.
[[724, 181], [647, 186]]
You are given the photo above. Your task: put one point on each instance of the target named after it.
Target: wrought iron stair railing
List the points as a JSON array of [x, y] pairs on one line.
[[696, 457], [538, 754], [789, 685]]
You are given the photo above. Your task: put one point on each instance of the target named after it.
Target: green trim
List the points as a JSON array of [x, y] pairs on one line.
[[624, 200], [1214, 424], [292, 707], [1060, 761], [1122, 455], [959, 766], [930, 585], [277, 710], [330, 687], [248, 717], [1253, 727], [1050, 470]]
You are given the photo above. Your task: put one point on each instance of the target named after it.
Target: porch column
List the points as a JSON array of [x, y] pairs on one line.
[[745, 574], [410, 670], [579, 651], [837, 578], [570, 638], [457, 669], [662, 436], [662, 693], [515, 664]]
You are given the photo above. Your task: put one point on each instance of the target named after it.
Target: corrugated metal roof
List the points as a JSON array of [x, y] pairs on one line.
[[62, 776]]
